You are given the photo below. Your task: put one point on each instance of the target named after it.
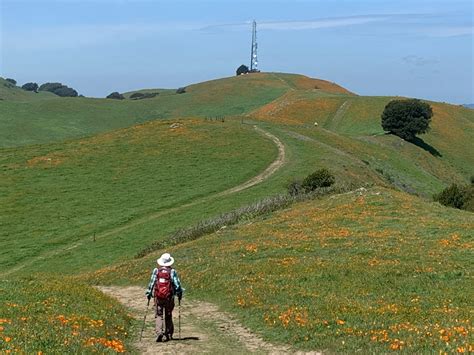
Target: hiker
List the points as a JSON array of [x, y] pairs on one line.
[[164, 285]]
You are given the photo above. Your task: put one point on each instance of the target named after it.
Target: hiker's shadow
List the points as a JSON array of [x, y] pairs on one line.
[[185, 338], [423, 145]]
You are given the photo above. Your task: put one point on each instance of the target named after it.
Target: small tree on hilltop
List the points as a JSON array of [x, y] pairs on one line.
[[137, 96], [11, 81], [115, 95], [51, 87], [30, 87], [243, 69], [65, 91], [407, 118]]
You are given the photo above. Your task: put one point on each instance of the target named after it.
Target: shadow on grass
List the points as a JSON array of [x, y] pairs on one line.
[[423, 145], [185, 338]]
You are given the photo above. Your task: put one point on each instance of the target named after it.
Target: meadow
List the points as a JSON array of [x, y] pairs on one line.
[[86, 184], [41, 315], [84, 188], [373, 270]]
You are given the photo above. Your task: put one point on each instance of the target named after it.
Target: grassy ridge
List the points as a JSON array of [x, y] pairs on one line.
[[45, 315], [376, 271], [31, 122], [9, 92], [351, 124], [58, 194], [368, 267]]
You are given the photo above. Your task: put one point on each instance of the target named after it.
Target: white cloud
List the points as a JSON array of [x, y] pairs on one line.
[[449, 31], [301, 25], [323, 23], [418, 61]]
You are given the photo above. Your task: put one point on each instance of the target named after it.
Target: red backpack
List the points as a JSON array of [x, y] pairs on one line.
[[163, 288]]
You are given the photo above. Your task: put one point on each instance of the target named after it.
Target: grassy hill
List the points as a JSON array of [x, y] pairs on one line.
[[352, 124], [376, 270], [39, 121], [10, 92], [85, 184], [65, 193]]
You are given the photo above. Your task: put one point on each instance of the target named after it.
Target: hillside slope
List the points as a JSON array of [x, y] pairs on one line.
[[9, 92], [352, 125], [375, 269], [31, 121]]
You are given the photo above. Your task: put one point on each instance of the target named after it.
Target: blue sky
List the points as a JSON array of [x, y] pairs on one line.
[[412, 48]]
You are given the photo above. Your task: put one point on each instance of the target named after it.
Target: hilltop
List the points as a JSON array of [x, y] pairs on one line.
[[10, 92], [44, 121]]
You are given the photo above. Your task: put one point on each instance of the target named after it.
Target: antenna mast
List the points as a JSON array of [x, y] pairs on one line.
[[253, 55]]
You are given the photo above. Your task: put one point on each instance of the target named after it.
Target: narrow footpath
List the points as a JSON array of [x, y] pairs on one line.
[[204, 328]]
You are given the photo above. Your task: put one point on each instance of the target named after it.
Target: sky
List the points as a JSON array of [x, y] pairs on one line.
[[414, 48]]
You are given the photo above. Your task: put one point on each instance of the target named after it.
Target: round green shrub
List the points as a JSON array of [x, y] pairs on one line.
[[320, 178]]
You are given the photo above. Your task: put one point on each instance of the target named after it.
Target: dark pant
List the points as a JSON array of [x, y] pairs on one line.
[[164, 306]]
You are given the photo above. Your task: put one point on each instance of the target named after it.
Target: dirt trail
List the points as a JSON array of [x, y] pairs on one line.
[[204, 328], [338, 116], [270, 170]]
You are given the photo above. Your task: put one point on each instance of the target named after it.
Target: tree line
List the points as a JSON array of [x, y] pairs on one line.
[[56, 88]]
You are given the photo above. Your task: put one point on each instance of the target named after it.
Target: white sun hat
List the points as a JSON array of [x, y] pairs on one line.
[[165, 260]]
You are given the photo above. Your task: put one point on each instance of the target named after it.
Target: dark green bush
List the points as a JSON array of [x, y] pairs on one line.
[[115, 95], [320, 178], [11, 81], [457, 196], [65, 91], [30, 87], [58, 89], [50, 87], [181, 90], [137, 95], [141, 95], [243, 69]]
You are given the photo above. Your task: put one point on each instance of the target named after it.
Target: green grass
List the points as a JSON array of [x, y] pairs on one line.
[[43, 315], [132, 186], [24, 123], [88, 205], [9, 92], [351, 124], [59, 194], [369, 272]]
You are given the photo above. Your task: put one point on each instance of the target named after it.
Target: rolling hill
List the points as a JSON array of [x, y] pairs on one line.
[[373, 269], [87, 184], [9, 92]]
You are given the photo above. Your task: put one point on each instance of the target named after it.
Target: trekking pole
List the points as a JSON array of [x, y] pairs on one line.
[[144, 319], [179, 318]]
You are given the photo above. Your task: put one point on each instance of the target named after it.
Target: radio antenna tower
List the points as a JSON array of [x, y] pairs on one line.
[[253, 55]]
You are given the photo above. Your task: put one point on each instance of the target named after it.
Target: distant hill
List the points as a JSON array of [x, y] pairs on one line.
[[469, 105], [87, 186], [348, 126], [10, 92], [65, 118]]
